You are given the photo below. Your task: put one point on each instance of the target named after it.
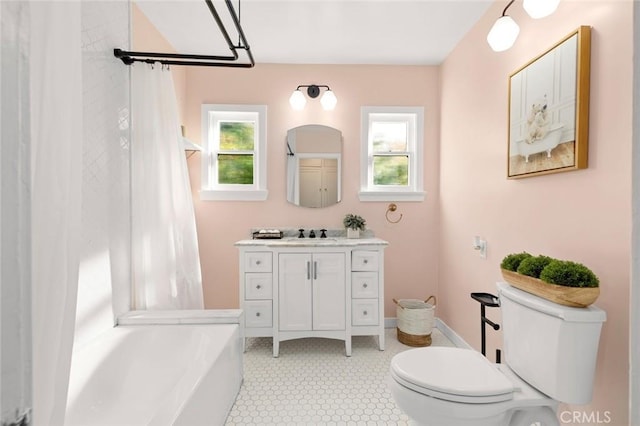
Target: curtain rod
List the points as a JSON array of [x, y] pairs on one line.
[[129, 58]]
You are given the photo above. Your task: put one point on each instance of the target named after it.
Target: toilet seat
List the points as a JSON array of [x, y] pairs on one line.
[[452, 374]]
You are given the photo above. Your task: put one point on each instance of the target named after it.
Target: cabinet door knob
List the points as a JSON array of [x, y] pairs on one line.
[[258, 287], [258, 262], [365, 312], [364, 285], [257, 314], [365, 261]]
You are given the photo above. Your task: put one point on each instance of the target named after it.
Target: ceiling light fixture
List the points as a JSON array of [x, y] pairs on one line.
[[298, 100], [505, 31]]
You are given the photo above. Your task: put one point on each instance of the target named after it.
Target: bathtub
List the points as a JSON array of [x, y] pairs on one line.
[[549, 142], [161, 374]]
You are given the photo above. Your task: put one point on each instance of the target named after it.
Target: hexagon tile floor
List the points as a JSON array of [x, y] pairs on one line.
[[312, 382]]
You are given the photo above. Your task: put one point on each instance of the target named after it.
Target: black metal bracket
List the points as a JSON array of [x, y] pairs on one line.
[[289, 151], [313, 90], [231, 60]]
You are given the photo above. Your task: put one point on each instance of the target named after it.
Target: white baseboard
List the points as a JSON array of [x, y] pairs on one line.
[[441, 326], [451, 335], [390, 322]]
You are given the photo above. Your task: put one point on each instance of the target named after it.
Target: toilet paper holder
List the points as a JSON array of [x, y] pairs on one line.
[[487, 299]]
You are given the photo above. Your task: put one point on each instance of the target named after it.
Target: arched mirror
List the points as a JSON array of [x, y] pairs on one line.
[[314, 166]]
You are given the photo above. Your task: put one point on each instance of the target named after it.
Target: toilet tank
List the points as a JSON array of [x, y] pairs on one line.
[[552, 347]]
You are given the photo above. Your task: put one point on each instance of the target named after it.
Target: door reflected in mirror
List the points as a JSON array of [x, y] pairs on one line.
[[314, 166]]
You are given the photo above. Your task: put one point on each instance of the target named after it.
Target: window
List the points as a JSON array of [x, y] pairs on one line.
[[392, 161], [234, 154]]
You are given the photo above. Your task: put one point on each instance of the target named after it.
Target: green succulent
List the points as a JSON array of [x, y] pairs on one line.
[[533, 265], [353, 221], [569, 274], [512, 261]]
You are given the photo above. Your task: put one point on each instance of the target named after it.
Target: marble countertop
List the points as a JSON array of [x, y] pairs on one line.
[[335, 238], [313, 242]]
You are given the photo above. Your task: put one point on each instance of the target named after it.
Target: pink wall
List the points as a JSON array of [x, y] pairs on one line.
[[583, 216], [145, 37], [411, 263]]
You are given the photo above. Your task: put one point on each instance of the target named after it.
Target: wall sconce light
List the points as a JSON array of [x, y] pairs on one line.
[[328, 100], [505, 30], [540, 8]]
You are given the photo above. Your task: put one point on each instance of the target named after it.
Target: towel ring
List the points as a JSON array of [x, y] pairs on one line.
[[392, 208]]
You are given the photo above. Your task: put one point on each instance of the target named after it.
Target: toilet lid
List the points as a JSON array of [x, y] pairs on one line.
[[453, 374]]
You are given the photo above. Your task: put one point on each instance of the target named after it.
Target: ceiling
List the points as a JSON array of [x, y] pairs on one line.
[[420, 32]]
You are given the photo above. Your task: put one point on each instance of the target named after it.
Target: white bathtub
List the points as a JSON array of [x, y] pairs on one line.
[[157, 374], [548, 143]]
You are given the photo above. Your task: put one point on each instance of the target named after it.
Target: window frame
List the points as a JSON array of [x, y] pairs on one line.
[[211, 190], [413, 117]]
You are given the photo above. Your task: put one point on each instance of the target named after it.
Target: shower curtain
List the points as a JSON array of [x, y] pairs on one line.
[[55, 101], [165, 257]]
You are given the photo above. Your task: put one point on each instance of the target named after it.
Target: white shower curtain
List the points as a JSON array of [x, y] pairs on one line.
[[56, 163], [165, 257]]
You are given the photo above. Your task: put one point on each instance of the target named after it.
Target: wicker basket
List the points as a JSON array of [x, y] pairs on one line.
[[415, 321]]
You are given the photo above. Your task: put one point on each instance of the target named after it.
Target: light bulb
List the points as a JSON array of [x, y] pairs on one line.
[[328, 100], [540, 8], [503, 34], [297, 100]]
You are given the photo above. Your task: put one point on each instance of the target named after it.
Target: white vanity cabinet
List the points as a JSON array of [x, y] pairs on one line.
[[331, 288], [257, 291], [311, 291], [365, 308]]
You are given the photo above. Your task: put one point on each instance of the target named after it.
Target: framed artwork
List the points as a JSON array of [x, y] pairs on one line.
[[549, 110]]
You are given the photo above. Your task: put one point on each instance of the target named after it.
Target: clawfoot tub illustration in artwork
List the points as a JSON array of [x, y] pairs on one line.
[[547, 143]]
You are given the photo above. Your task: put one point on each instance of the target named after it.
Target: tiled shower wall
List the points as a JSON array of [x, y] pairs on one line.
[[103, 289]]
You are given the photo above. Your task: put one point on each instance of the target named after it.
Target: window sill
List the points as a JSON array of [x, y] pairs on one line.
[[391, 196], [217, 195]]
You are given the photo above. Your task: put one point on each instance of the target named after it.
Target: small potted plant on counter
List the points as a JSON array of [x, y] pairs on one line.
[[561, 281], [354, 225]]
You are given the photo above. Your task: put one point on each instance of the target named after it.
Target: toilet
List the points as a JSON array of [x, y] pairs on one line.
[[550, 355]]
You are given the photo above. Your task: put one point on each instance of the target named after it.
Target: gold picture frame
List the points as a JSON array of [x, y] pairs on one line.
[[549, 110]]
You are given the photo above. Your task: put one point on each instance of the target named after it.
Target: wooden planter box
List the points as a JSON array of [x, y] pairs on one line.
[[578, 297]]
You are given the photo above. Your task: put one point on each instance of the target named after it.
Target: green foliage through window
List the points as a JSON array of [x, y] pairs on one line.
[[391, 170], [235, 169], [235, 160], [236, 136]]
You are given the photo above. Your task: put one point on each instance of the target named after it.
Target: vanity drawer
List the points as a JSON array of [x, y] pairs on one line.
[[362, 260], [258, 285], [257, 261], [364, 312], [364, 285], [257, 313]]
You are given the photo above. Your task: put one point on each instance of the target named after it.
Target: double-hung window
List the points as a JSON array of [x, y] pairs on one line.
[[234, 154], [391, 151]]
